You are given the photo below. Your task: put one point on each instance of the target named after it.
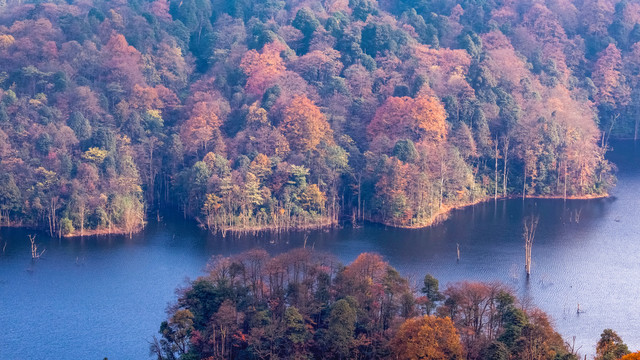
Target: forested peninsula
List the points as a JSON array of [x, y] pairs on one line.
[[247, 114]]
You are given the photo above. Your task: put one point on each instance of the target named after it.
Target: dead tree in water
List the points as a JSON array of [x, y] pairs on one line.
[[35, 255], [530, 225]]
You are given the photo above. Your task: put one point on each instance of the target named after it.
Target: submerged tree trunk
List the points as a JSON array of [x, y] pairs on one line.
[[35, 255], [530, 226]]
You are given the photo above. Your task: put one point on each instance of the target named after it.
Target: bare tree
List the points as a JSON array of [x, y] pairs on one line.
[[572, 347], [35, 255], [530, 226]]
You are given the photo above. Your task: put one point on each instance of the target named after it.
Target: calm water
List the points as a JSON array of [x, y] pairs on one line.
[[105, 297]]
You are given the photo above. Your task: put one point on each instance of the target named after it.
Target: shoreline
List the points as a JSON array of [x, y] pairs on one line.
[[101, 232], [440, 216], [236, 230], [87, 233], [444, 212], [323, 224]]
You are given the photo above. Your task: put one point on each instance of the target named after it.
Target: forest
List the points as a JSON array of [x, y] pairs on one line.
[[271, 114], [305, 305]]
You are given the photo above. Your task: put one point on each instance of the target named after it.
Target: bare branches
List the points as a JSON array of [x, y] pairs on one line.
[[35, 255]]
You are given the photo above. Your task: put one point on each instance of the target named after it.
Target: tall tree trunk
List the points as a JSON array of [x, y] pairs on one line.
[[441, 180], [524, 181], [359, 193], [565, 180], [505, 154], [81, 210], [151, 190]]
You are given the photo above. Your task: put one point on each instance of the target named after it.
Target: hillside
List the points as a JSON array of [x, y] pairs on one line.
[[274, 114]]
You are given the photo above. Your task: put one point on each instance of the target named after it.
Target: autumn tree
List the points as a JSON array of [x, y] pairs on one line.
[[607, 77], [421, 120], [633, 356], [262, 67], [612, 89], [428, 337], [472, 308], [201, 129], [610, 346], [176, 331], [304, 125], [122, 62]]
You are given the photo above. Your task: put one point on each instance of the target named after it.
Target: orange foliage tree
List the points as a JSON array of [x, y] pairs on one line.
[[608, 79], [144, 97], [422, 120], [633, 356], [262, 68], [427, 337], [304, 125], [201, 128]]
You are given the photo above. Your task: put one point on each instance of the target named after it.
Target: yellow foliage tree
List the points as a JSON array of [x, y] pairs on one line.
[[202, 127], [427, 338], [6, 41], [313, 199], [95, 155], [257, 116], [260, 166]]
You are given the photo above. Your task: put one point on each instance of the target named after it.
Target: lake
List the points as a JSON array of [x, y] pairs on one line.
[[105, 297]]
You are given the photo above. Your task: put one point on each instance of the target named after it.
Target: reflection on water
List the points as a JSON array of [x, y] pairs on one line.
[[105, 297]]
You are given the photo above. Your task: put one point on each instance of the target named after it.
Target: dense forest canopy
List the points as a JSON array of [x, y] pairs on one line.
[[281, 114]]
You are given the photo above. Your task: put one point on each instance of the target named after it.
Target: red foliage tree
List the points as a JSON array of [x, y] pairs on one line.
[[122, 63]]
